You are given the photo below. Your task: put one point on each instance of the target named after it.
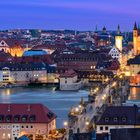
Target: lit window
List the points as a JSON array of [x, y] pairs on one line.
[[9, 136], [3, 135]]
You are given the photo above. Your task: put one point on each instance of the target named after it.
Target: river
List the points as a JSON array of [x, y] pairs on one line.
[[58, 101]]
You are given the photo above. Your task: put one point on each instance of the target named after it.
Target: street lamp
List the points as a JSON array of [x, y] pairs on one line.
[[65, 124], [80, 106], [114, 84], [87, 123], [76, 109]]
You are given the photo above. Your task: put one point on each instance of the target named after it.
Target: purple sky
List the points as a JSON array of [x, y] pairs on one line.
[[69, 14]]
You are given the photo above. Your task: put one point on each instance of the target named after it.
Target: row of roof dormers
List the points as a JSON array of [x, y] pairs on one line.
[[25, 113], [22, 66], [120, 115]]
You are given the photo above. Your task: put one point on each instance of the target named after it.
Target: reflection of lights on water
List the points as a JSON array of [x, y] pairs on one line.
[[53, 89], [8, 91], [6, 94], [134, 92]]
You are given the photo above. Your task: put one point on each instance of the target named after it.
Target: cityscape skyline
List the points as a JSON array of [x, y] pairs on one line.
[[48, 14], [69, 70]]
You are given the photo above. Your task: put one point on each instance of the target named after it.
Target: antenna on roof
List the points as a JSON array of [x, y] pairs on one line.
[[9, 108]]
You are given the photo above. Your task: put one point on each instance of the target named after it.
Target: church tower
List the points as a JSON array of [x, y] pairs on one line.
[[135, 36], [118, 39]]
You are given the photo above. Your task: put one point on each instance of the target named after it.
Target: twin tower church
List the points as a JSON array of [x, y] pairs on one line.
[[136, 39]]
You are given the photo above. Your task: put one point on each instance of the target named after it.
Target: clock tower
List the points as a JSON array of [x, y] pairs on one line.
[[118, 40]]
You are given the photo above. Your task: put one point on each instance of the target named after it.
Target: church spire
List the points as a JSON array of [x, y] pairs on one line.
[[96, 29], [135, 26], [118, 29]]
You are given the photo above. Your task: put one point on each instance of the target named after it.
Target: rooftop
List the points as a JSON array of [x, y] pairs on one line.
[[25, 113], [23, 66], [69, 73], [34, 52], [120, 115], [134, 61]]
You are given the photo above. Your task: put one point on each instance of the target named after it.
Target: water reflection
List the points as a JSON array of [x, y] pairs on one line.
[[57, 101], [134, 93], [5, 95]]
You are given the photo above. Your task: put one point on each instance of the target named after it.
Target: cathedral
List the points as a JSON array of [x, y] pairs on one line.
[[136, 39]]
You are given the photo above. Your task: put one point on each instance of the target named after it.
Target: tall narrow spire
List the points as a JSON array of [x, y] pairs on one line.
[[118, 29], [96, 29], [135, 26]]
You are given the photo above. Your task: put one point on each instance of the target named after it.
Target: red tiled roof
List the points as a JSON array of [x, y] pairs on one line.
[[69, 73], [11, 42], [49, 46], [5, 56], [45, 59], [115, 65], [38, 110]]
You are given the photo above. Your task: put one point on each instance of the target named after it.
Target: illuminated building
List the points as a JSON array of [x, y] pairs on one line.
[[134, 65], [23, 72], [16, 50], [102, 39], [69, 81], [12, 47], [118, 117], [115, 53], [32, 120], [134, 70], [136, 40], [118, 40]]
